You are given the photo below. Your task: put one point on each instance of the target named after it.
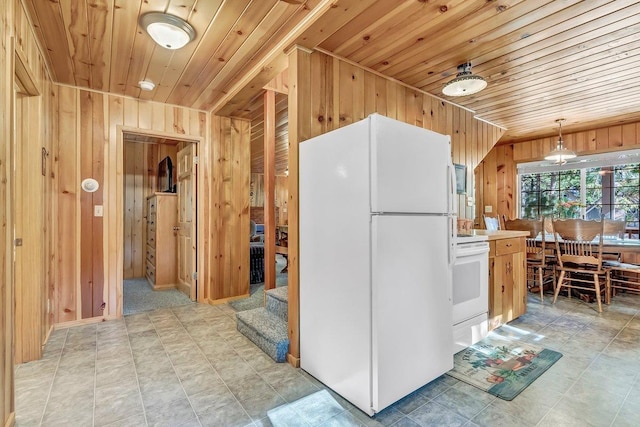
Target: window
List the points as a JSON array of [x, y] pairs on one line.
[[594, 186]]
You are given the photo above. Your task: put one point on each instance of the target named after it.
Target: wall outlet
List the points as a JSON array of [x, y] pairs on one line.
[[469, 201], [98, 210], [488, 209]]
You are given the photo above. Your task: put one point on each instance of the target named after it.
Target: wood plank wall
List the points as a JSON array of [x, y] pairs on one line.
[[497, 173], [140, 172], [27, 194], [257, 198], [326, 93], [226, 229], [89, 141], [7, 408]]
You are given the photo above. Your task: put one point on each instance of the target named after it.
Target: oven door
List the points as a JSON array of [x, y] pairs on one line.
[[470, 281]]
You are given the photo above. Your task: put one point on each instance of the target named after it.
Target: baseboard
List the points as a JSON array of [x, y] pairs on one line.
[[11, 421], [226, 300], [72, 323], [293, 361]]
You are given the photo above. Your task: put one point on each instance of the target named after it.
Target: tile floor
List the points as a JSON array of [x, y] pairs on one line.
[[188, 366]]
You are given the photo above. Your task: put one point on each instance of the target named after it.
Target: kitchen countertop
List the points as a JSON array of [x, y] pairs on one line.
[[499, 234]]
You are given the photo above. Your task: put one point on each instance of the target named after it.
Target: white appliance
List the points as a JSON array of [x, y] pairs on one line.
[[470, 291], [377, 243]]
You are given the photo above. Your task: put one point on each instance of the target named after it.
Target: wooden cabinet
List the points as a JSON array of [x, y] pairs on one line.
[[161, 261], [507, 280]]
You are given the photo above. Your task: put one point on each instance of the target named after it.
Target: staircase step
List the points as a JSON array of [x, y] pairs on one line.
[[266, 330], [278, 302]]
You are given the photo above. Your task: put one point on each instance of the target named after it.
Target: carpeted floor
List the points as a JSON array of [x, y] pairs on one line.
[[139, 296], [257, 289]]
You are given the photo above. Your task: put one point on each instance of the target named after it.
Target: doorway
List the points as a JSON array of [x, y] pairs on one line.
[[159, 238]]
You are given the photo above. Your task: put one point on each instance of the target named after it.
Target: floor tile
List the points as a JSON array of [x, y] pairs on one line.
[[193, 355], [433, 413]]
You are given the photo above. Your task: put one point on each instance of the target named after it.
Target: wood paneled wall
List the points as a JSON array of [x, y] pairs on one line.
[[497, 173], [326, 93], [25, 200], [140, 175], [89, 143], [226, 167], [257, 197], [7, 414]]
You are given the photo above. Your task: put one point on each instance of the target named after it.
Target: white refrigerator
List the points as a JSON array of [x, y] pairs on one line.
[[377, 243]]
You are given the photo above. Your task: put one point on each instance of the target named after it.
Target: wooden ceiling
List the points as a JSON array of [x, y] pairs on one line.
[[542, 59]]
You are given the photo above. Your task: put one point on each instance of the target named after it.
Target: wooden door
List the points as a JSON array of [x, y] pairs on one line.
[[187, 220]]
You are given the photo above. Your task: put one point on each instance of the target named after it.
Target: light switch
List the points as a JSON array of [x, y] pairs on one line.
[[98, 210], [488, 209]]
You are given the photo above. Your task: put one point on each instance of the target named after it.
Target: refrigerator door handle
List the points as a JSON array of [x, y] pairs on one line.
[[453, 205], [452, 250]]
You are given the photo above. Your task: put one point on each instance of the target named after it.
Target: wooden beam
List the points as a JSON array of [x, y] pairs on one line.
[[269, 190], [268, 67]]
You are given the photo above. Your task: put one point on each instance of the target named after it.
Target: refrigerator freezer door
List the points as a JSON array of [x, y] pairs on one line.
[[411, 307], [409, 168]]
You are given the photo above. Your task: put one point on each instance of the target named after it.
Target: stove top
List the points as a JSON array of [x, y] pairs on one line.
[[470, 238]]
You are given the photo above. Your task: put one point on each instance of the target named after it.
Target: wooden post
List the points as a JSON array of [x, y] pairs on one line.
[[269, 190], [299, 130]]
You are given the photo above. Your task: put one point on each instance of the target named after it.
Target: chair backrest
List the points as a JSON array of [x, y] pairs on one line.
[[614, 228], [578, 241], [535, 248], [491, 223]]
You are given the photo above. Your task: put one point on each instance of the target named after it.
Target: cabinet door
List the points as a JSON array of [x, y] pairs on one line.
[[495, 292], [507, 287], [519, 285]]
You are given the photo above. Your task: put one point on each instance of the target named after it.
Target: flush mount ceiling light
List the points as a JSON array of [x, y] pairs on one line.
[[168, 31], [146, 85], [465, 83], [560, 154]]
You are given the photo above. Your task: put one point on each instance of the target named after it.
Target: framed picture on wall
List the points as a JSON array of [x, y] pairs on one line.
[[461, 179]]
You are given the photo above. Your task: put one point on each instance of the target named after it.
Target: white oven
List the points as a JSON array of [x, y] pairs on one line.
[[470, 291]]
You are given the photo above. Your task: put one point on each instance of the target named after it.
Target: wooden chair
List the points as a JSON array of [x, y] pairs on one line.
[[491, 223], [579, 253], [540, 263], [622, 276], [613, 229]]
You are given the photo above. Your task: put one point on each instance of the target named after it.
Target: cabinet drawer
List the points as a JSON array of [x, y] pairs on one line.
[[151, 255], [151, 274], [508, 246], [151, 206], [151, 226], [151, 238]]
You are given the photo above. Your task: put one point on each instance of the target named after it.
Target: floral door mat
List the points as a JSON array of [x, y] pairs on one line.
[[502, 366]]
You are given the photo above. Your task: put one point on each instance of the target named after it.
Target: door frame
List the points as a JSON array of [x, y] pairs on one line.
[[119, 238]]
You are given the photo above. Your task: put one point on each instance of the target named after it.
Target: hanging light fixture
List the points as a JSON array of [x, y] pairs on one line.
[[560, 154], [168, 31], [465, 82]]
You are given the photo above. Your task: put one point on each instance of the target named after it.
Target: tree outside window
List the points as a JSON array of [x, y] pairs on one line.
[[610, 191]]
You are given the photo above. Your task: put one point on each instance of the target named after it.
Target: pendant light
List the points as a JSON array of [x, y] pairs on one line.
[[560, 154], [169, 31], [465, 83]]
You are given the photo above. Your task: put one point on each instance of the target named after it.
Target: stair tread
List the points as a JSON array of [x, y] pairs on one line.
[[265, 323], [281, 293]]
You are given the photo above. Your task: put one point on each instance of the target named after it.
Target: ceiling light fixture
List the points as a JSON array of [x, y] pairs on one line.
[[560, 154], [146, 85], [168, 31], [465, 83]]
